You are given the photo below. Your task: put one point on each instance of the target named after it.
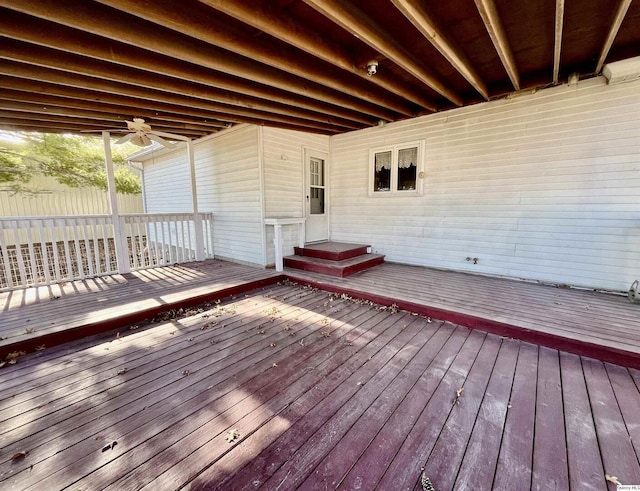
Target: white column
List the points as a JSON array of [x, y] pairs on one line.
[[119, 232], [277, 242], [194, 200]]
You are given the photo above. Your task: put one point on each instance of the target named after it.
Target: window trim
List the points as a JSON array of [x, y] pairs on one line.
[[395, 149]]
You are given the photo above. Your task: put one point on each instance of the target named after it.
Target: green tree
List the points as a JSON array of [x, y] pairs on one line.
[[77, 161]]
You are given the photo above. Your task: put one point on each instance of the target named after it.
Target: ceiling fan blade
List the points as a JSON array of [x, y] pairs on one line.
[[125, 138], [160, 140]]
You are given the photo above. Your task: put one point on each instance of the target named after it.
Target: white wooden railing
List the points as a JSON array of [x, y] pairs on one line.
[[38, 251]]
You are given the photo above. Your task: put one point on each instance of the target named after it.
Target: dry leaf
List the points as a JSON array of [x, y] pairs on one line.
[[122, 371], [613, 479], [275, 365], [459, 392], [232, 435], [2, 364], [15, 354], [189, 339], [109, 446], [29, 330], [19, 455], [186, 373], [273, 345], [42, 347], [133, 328]]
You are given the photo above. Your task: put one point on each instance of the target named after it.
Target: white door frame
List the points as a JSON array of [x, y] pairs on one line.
[[312, 221]]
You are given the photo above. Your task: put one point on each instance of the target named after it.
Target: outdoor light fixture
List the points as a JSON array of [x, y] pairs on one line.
[[372, 67]]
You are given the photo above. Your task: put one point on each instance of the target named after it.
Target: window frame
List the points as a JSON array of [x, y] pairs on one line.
[[395, 150]]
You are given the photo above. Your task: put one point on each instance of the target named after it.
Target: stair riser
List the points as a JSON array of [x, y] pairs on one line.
[[330, 255], [340, 272]]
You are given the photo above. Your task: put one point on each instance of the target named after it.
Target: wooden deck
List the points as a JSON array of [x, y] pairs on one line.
[[290, 388], [603, 326], [49, 315]]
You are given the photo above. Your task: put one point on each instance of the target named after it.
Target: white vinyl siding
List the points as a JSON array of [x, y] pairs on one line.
[[59, 199], [284, 180], [541, 187], [228, 182]]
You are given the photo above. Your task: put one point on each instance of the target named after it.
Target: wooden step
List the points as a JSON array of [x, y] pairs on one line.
[[335, 251], [342, 268]]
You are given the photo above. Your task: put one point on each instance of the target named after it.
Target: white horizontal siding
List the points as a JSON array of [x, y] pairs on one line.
[[227, 177], [283, 153], [543, 187], [54, 198]]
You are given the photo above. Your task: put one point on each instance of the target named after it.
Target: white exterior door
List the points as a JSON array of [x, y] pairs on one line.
[[316, 194]]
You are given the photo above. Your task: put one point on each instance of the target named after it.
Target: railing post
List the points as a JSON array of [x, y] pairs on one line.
[[119, 229], [197, 219]]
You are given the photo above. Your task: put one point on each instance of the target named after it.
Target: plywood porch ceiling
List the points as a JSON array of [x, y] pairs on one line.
[[193, 67]]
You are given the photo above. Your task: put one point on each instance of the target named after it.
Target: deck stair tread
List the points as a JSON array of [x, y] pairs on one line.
[[333, 258]]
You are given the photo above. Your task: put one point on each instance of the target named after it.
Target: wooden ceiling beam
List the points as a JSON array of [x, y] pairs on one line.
[[102, 116], [77, 125], [260, 15], [47, 100], [137, 65], [621, 12], [27, 61], [557, 46], [356, 22], [415, 12], [36, 88], [491, 19], [205, 24], [123, 28]]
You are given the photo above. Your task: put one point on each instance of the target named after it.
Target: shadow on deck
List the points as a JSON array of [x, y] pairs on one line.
[[289, 387]]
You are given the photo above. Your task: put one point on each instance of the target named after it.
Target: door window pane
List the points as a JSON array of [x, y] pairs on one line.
[[316, 203], [316, 174], [382, 177], [407, 168]]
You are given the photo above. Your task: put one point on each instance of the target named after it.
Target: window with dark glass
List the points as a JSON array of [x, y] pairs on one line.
[[382, 178]]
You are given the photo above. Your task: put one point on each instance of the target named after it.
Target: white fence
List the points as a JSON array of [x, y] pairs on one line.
[[38, 251]]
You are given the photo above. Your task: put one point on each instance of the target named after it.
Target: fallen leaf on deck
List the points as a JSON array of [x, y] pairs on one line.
[[19, 455], [133, 328], [613, 479], [212, 341], [15, 354], [12, 362], [172, 333], [186, 373], [29, 330], [232, 435], [2, 364], [325, 334], [458, 394], [262, 331], [123, 371], [189, 339], [273, 345], [42, 347], [301, 342], [117, 335], [275, 365]]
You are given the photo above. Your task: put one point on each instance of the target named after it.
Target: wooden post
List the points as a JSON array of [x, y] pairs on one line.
[[194, 199], [119, 232]]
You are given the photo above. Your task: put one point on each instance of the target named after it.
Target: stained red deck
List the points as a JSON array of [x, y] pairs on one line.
[[53, 314], [323, 393], [584, 322]]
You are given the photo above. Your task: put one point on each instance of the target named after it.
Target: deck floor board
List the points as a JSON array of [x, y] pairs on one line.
[[325, 391]]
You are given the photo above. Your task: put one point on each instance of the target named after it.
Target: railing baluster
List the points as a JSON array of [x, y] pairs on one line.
[[191, 248], [54, 249], [96, 247], [105, 246], [141, 241], [43, 250], [32, 254], [67, 252], [79, 264], [5, 258], [87, 245]]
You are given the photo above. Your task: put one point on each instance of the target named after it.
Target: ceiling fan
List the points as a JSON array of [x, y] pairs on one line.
[[142, 135]]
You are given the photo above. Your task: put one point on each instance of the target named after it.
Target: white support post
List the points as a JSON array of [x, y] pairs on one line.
[[119, 231], [277, 242], [194, 199], [301, 236]]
